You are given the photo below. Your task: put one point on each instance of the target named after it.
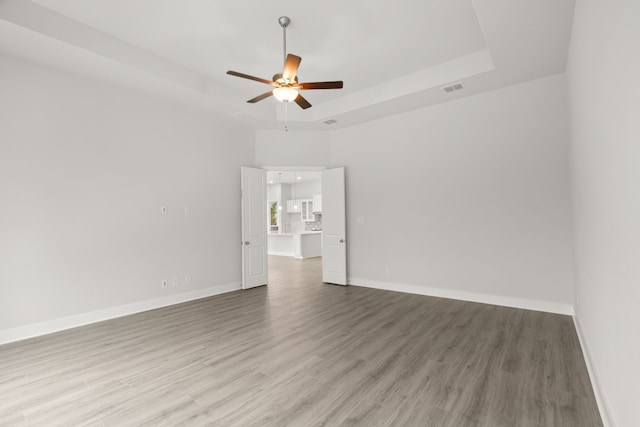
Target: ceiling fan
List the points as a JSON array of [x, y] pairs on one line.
[[286, 85]]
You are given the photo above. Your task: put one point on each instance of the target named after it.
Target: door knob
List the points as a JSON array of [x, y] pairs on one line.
[[341, 240], [246, 243]]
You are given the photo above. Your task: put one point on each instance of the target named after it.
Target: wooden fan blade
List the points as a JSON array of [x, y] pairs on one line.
[[291, 67], [320, 85], [260, 97], [303, 103], [247, 76]]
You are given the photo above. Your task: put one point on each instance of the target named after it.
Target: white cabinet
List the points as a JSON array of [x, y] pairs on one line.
[[280, 244], [297, 245], [307, 210], [317, 203], [307, 245], [303, 206]]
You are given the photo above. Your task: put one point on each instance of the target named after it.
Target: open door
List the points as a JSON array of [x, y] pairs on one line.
[[254, 227], [334, 247]]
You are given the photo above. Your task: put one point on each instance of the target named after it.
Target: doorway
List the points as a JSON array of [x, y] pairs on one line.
[[293, 212], [294, 204]]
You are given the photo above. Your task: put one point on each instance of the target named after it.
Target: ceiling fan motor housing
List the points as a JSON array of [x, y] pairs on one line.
[[278, 79]]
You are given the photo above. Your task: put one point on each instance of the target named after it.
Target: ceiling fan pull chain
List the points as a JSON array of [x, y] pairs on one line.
[[286, 128]]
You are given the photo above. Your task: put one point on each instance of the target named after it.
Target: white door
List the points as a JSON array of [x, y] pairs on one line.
[[254, 227], [334, 246]]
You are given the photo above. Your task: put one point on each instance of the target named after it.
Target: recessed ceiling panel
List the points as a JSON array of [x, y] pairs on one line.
[[363, 42], [392, 56]]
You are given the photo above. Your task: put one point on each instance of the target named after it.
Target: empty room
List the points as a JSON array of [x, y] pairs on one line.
[[279, 213]]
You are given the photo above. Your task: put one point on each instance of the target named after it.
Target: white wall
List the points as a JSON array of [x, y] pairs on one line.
[[307, 189], [603, 70], [469, 196], [293, 148], [84, 169], [274, 192]]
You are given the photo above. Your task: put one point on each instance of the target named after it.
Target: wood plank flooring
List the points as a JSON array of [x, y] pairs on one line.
[[303, 353]]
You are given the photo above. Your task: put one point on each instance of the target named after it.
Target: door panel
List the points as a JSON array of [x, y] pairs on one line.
[[334, 248], [254, 227]]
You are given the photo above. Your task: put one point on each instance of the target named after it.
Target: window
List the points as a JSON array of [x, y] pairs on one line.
[[273, 216]]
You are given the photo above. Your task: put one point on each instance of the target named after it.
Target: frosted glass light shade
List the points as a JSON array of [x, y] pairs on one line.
[[285, 94]]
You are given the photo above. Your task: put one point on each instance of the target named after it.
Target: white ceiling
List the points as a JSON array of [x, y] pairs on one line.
[[392, 56]]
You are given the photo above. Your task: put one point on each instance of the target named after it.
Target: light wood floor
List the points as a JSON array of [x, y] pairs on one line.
[[303, 353]]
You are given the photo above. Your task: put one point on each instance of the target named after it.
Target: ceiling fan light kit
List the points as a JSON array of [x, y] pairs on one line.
[[286, 85], [285, 93]]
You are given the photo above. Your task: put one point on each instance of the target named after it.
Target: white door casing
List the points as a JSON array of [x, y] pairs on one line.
[[334, 247], [254, 227]]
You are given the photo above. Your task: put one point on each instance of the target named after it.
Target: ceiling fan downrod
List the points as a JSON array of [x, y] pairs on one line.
[[284, 22]]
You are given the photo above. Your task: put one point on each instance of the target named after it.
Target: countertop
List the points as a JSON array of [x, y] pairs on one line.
[[294, 234]]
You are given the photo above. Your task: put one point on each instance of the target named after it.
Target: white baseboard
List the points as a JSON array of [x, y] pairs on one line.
[[603, 406], [289, 254], [546, 306], [37, 329]]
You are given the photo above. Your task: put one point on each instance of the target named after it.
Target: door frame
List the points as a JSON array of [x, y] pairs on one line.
[[294, 169]]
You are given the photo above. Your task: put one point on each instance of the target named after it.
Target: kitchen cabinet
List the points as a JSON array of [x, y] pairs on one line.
[[303, 206], [317, 203], [307, 245], [306, 207], [298, 245], [281, 244]]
